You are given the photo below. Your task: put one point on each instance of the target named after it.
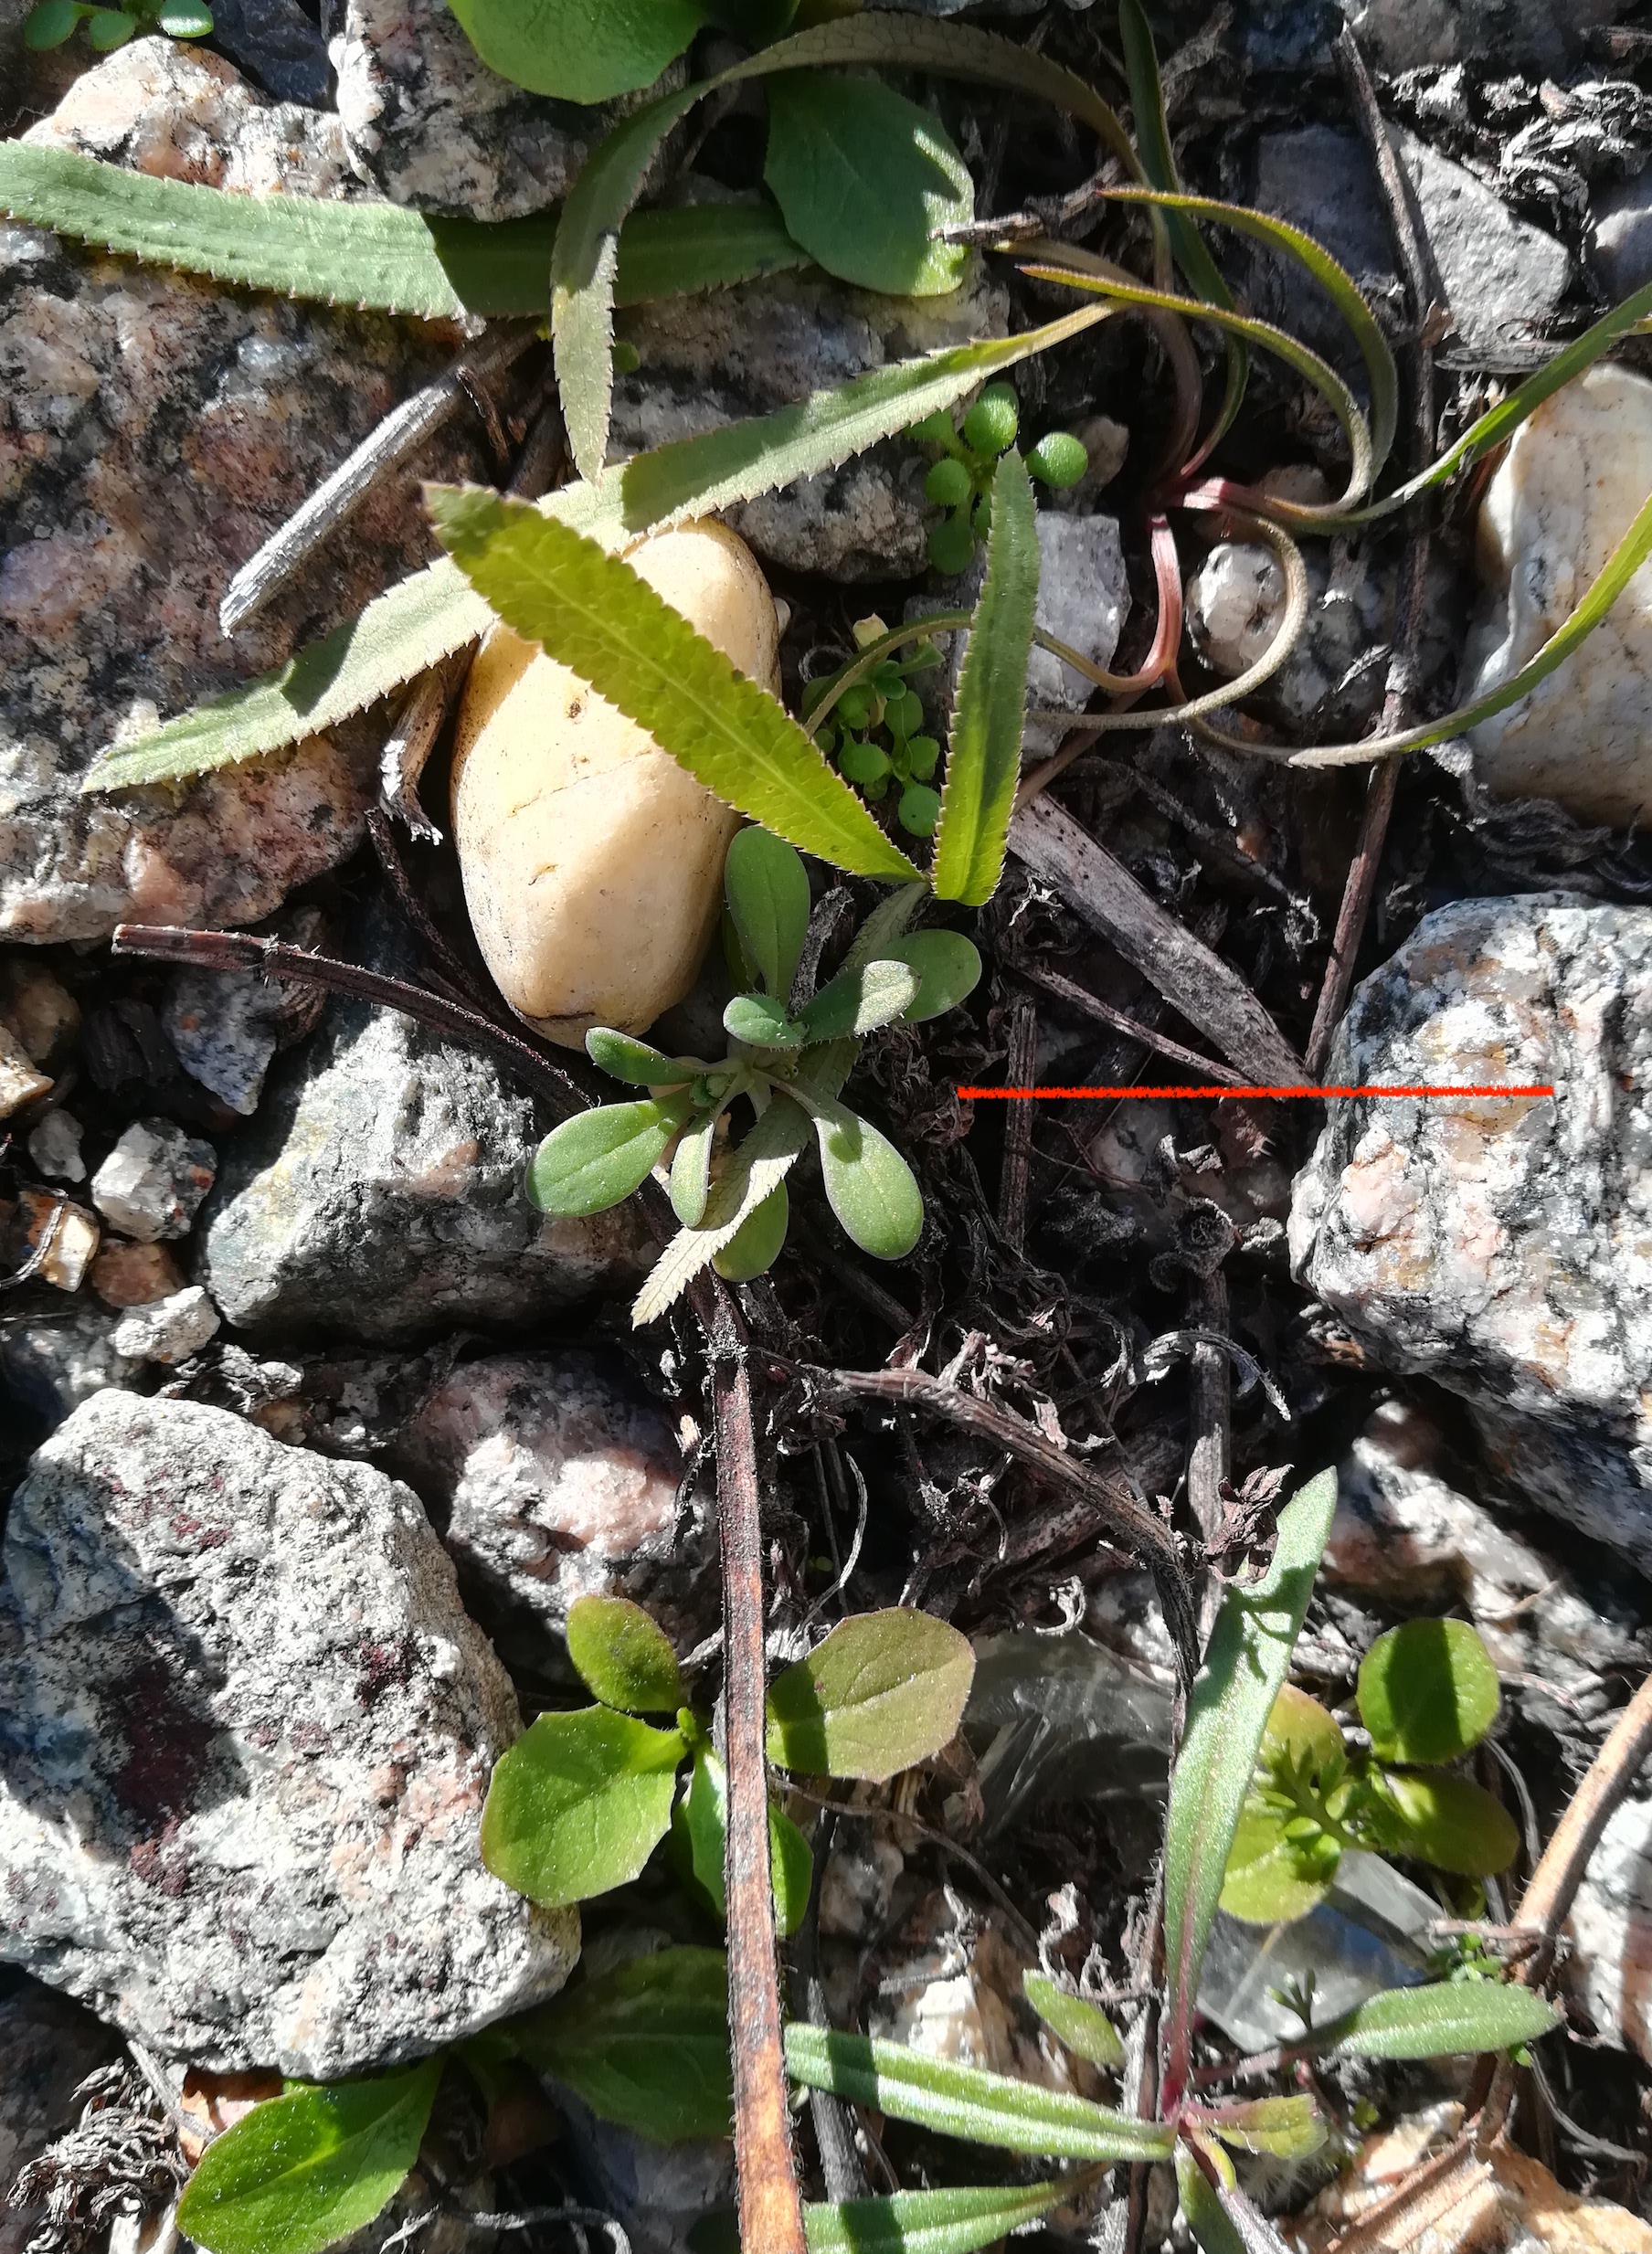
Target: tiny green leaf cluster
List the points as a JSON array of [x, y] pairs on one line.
[[960, 481], [1427, 1695], [787, 1058], [51, 22], [876, 731], [581, 1800]]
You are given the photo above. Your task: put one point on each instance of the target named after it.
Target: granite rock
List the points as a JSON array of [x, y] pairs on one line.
[[1620, 235], [1609, 1969], [276, 45], [54, 1147], [153, 1181], [709, 360], [49, 2045], [380, 1195], [167, 1331], [1407, 35], [1563, 496], [1499, 1244], [154, 430], [247, 1731], [52, 1358]]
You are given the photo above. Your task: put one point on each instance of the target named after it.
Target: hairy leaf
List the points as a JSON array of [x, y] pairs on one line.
[[761, 1163], [858, 1001], [1436, 2022], [872, 1190], [579, 1804], [1206, 2217], [983, 757], [645, 2045], [1427, 1691], [703, 1813], [1244, 1665], [884, 1690], [760, 1023], [766, 888], [948, 968], [307, 2169], [686, 248], [690, 1169], [624, 1058], [1084, 2028], [582, 53], [596, 1159], [1448, 1821], [928, 2222], [966, 2101], [592, 613], [623, 1655], [866, 181]]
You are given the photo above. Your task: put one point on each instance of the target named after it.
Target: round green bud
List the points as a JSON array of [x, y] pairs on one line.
[[863, 762], [1059, 459], [919, 809], [992, 422], [875, 791], [949, 484], [935, 430], [951, 545]]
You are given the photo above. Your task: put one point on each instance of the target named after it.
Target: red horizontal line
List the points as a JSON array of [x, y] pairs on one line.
[[1030, 1095]]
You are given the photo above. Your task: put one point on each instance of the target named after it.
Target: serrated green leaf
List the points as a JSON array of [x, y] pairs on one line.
[[1448, 1821], [1427, 1691], [1291, 2128], [592, 612], [858, 1001], [765, 886], [594, 1161], [872, 1192], [928, 2222], [624, 1058], [703, 1814], [983, 757], [966, 2101], [623, 1655], [883, 1691], [1438, 2022], [761, 1022], [866, 181], [1249, 1651], [302, 2171], [949, 969], [1082, 2026], [764, 1159], [579, 1804], [645, 2045], [576, 51]]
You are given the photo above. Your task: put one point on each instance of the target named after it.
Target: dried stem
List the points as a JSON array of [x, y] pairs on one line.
[[1021, 1068], [1069, 990]]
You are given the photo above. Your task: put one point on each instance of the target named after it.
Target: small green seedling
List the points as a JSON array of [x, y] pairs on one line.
[[787, 1058], [876, 730], [1427, 1694], [52, 21], [960, 482]]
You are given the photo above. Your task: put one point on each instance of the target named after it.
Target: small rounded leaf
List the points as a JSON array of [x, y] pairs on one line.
[[761, 1023], [1443, 1820], [766, 887], [1427, 1691], [1058, 460], [183, 19], [920, 809], [579, 1804], [863, 763], [949, 483], [859, 1001], [108, 28], [755, 1244], [949, 969], [991, 425], [1300, 1729], [645, 2045], [623, 1655], [593, 1161], [624, 1058], [49, 24], [869, 1186], [885, 1690]]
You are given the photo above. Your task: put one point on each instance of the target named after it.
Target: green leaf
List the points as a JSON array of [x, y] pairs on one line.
[[949, 969], [983, 757], [569, 49], [1249, 1651], [703, 1812], [1268, 1880], [108, 28], [1087, 2030], [858, 1001], [866, 181], [1206, 2217], [594, 1161], [180, 19], [690, 1169], [47, 26], [928, 2222], [622, 1058], [1290, 2128], [1427, 1691], [579, 1804], [761, 1163], [307, 2169], [766, 888], [592, 612], [1438, 2022], [755, 1244], [623, 1655], [965, 2102], [645, 2045], [1443, 1820], [694, 248], [1300, 1730], [883, 1691], [761, 1023], [871, 1189]]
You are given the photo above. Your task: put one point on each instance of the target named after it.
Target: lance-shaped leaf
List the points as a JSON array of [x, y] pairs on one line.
[[1290, 2128], [596, 1159], [623, 1656], [983, 757], [761, 1023], [590, 611], [1436, 2022], [884, 1690], [1082, 2026], [624, 1058], [645, 2045], [966, 2101], [1206, 2217], [928, 2222], [307, 2169], [579, 1804], [692, 248], [766, 888], [1244, 1665]]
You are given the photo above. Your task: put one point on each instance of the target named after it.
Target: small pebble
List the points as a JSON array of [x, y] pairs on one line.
[[55, 1148], [38, 1009], [153, 1181], [133, 1275], [169, 1330], [19, 1082], [69, 1232]]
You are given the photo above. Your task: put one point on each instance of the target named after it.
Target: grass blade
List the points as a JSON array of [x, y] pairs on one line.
[[593, 614], [928, 2222], [983, 760], [1246, 1663], [965, 2102]]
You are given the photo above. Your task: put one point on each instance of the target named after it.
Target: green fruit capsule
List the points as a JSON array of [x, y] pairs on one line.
[[952, 545], [949, 484], [1058, 459], [933, 430], [919, 809], [863, 762], [991, 425]]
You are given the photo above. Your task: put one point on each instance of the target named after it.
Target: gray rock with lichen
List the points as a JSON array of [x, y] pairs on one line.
[[154, 428], [246, 1731], [1499, 1244]]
